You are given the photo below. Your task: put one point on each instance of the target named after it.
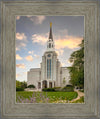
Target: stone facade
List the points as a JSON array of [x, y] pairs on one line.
[[50, 74]]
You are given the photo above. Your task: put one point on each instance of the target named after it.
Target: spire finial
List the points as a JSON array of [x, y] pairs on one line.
[[50, 34], [50, 43], [50, 24]]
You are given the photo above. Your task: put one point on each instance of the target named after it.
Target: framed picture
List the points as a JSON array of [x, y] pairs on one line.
[[49, 65], [45, 67]]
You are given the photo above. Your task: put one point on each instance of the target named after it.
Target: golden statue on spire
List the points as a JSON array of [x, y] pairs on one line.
[[50, 24]]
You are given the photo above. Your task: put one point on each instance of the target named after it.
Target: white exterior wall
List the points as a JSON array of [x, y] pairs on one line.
[[54, 67], [58, 84], [58, 73], [65, 75], [34, 75], [43, 68]]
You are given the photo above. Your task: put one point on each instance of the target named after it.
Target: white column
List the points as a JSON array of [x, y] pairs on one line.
[[41, 84], [47, 84], [52, 84]]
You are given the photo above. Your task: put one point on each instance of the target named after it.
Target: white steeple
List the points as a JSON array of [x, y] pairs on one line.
[[50, 42]]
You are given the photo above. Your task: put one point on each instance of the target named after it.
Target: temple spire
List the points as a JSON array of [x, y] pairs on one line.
[[50, 34], [50, 42]]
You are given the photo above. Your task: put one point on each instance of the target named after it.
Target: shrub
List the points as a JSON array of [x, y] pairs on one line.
[[19, 89], [31, 86], [69, 85], [80, 87], [68, 89], [57, 88], [48, 89]]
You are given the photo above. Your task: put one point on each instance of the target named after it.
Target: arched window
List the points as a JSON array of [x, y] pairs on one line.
[[49, 55]]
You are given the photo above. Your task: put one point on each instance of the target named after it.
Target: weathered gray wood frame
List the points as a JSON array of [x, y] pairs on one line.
[[91, 108]]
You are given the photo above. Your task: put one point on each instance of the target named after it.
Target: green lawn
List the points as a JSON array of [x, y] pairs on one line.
[[44, 97]]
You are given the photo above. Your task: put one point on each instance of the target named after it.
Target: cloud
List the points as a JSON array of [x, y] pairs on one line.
[[20, 45], [63, 32], [61, 41], [17, 75], [21, 41], [59, 52], [22, 66], [39, 38], [18, 57], [37, 19], [64, 40], [25, 73], [20, 36], [29, 58], [37, 56], [40, 19], [31, 52], [21, 74], [17, 49], [17, 17], [70, 42]]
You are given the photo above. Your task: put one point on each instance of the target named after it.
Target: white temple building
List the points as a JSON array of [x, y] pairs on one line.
[[50, 74]]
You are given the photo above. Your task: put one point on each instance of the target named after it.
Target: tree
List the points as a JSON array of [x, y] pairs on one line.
[[21, 84], [77, 68]]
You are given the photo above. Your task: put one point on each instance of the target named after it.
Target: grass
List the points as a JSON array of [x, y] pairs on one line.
[[42, 97]]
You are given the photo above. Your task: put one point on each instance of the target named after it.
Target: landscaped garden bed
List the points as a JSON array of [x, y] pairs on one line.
[[45, 97]]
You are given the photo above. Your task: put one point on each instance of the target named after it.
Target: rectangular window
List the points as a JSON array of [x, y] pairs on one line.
[[48, 68]]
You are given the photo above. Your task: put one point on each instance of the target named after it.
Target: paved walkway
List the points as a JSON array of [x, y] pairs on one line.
[[80, 94]]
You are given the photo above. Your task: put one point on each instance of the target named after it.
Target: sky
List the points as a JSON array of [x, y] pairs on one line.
[[32, 34]]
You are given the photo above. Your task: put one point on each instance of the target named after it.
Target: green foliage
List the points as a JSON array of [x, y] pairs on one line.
[[57, 88], [77, 68], [68, 88], [20, 86], [69, 85], [19, 89], [31, 86], [48, 89], [81, 100], [82, 90], [52, 96]]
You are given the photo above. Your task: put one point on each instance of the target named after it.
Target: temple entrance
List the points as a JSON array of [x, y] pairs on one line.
[[50, 84], [39, 85], [44, 84]]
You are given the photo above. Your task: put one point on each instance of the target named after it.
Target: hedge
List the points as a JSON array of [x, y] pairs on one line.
[[31, 86], [19, 89], [48, 89], [68, 88]]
